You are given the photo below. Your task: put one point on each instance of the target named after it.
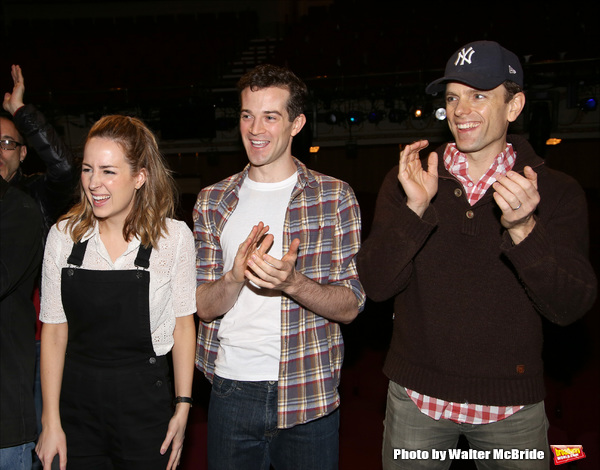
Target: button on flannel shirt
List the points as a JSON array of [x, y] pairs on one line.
[[324, 214], [456, 164]]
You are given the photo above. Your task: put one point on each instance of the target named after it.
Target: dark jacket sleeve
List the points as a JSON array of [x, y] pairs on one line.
[[53, 189], [20, 240], [385, 258], [553, 262]]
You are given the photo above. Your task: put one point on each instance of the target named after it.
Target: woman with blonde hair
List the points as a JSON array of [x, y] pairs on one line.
[[118, 294]]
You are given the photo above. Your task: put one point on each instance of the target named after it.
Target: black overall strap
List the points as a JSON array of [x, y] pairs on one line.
[[143, 257], [77, 253]]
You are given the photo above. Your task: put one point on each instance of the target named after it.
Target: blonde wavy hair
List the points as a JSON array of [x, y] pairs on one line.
[[153, 202]]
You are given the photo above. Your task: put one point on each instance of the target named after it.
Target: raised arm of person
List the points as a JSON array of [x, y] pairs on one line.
[[518, 198], [330, 289], [419, 185], [336, 303], [547, 241], [402, 223], [215, 298], [56, 185], [13, 101]]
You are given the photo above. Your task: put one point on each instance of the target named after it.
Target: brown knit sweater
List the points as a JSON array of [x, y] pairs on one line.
[[468, 302]]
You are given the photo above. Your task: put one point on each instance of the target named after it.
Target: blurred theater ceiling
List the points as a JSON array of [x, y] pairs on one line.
[[176, 63]]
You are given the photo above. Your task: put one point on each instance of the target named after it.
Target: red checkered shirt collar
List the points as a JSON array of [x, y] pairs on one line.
[[458, 166]]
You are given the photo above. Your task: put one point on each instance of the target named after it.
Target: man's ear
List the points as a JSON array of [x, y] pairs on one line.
[[22, 153], [515, 106], [298, 124]]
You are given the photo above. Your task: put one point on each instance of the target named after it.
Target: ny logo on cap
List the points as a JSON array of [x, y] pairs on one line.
[[464, 56]]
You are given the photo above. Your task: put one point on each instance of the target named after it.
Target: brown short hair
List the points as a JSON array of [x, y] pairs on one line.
[[511, 89], [267, 75]]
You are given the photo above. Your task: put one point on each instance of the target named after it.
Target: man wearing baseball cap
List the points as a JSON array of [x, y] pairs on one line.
[[476, 243]]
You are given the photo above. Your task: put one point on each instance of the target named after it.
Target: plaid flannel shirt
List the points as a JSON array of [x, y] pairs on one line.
[[324, 214]]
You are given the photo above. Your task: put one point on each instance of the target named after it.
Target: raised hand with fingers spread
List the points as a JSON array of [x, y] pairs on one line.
[[420, 185], [14, 100]]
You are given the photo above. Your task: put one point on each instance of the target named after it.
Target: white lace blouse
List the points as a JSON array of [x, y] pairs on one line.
[[172, 276]]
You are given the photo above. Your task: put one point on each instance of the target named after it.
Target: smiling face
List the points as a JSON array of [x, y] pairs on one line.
[[10, 159], [479, 119], [108, 182], [267, 133]]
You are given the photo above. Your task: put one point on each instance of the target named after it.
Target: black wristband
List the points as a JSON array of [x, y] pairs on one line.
[[184, 400]]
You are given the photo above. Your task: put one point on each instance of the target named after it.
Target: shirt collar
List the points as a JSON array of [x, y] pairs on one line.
[[454, 160], [305, 177], [94, 235]]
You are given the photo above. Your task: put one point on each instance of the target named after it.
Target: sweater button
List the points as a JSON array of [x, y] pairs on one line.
[[470, 214], [457, 192]]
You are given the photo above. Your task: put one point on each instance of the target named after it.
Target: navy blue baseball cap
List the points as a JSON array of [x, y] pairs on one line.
[[483, 65]]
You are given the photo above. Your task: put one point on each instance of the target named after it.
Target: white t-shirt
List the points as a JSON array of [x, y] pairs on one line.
[[172, 276], [250, 333]]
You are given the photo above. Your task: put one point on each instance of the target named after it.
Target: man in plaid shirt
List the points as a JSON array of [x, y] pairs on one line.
[[276, 275], [475, 244]]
